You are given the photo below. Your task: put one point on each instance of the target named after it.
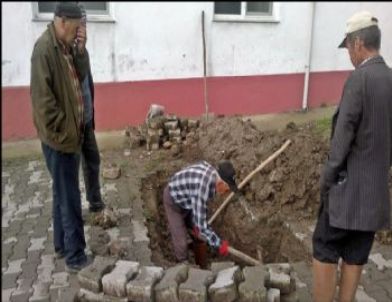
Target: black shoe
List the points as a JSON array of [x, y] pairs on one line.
[[96, 209], [75, 268], [59, 255]]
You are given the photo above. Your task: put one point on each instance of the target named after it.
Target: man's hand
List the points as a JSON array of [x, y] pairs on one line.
[[195, 232], [224, 248], [81, 37]]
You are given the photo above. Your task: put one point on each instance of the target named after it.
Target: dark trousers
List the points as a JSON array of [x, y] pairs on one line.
[[179, 221], [90, 165], [68, 232]]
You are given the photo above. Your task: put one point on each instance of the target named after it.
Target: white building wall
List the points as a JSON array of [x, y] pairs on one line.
[[163, 40]]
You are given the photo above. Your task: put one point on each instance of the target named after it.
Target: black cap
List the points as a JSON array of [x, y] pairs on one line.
[[227, 174], [68, 9]]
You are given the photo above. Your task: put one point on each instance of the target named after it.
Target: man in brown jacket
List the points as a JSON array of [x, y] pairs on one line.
[[57, 105], [354, 182]]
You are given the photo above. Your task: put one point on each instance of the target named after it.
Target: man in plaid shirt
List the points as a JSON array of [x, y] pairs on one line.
[[185, 200]]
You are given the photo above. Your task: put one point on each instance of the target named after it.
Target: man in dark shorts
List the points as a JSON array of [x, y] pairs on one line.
[[355, 200]]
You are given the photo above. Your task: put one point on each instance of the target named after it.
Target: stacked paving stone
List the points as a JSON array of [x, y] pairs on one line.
[[165, 131], [108, 279]]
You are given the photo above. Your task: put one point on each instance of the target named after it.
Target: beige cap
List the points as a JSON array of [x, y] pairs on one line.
[[358, 21]]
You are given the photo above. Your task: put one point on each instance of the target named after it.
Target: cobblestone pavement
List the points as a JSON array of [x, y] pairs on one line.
[[30, 272]]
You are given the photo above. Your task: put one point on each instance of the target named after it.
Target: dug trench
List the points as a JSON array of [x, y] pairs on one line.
[[285, 191], [263, 234]]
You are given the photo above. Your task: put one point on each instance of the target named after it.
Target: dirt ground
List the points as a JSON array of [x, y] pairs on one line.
[[286, 189]]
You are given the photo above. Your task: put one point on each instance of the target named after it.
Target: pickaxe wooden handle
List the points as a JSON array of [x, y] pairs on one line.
[[245, 181], [244, 257]]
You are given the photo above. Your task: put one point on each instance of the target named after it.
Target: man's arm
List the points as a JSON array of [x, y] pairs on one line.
[[350, 113], [46, 109], [200, 220]]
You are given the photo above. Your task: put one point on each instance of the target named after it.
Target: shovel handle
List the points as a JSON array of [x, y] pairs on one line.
[[249, 177]]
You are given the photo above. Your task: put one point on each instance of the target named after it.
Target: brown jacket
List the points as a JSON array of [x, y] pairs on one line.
[[54, 100]]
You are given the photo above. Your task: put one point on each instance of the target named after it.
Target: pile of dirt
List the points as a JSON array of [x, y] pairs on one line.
[[289, 184], [287, 189]]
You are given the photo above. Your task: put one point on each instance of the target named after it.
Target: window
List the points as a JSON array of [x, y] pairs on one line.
[[98, 11], [258, 11]]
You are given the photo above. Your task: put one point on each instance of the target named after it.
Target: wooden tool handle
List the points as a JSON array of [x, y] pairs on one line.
[[242, 256], [243, 183]]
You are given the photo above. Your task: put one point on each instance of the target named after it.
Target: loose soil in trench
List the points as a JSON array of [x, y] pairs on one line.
[[286, 189]]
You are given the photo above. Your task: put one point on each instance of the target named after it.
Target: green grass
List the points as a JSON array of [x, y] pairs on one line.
[[323, 126]]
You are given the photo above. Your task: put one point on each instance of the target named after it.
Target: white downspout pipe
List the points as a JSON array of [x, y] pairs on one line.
[[308, 59]]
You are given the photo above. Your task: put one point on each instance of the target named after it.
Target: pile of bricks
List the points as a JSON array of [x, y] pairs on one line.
[[165, 131], [108, 279]]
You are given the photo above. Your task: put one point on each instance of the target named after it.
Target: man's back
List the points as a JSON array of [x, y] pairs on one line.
[[362, 201]]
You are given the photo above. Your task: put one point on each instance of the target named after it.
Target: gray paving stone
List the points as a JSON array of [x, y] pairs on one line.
[[37, 244], [29, 270], [20, 298], [167, 289], [225, 286], [273, 295], [195, 287], [142, 288], [281, 281], [15, 266], [114, 283], [67, 294], [90, 277], [40, 292], [34, 257], [24, 286], [216, 267], [253, 289], [59, 265], [292, 297], [6, 294], [9, 280]]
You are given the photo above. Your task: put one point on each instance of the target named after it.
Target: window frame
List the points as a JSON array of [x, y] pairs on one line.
[[273, 18], [91, 17]]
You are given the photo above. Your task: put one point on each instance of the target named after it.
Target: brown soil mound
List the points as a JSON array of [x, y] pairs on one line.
[[286, 189]]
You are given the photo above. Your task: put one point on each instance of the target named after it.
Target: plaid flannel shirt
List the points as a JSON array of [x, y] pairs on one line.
[[190, 189]]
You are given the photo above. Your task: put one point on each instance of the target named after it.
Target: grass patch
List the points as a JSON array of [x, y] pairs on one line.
[[323, 126]]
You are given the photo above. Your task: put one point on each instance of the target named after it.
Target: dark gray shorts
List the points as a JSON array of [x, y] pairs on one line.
[[330, 243]]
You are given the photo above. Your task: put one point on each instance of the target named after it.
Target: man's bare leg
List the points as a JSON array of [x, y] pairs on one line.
[[324, 281], [350, 276]]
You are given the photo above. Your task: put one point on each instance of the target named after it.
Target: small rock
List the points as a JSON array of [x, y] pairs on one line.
[[106, 219], [111, 172], [127, 152], [167, 145], [120, 247]]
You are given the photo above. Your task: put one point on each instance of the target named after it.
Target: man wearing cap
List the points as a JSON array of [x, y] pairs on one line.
[[57, 103], [185, 200], [90, 154], [355, 200]]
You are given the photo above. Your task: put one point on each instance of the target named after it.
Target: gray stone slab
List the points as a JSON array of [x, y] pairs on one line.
[[253, 289], [195, 287], [114, 283], [225, 286], [216, 267], [167, 289], [142, 288], [273, 295], [9, 280], [281, 281], [91, 277]]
